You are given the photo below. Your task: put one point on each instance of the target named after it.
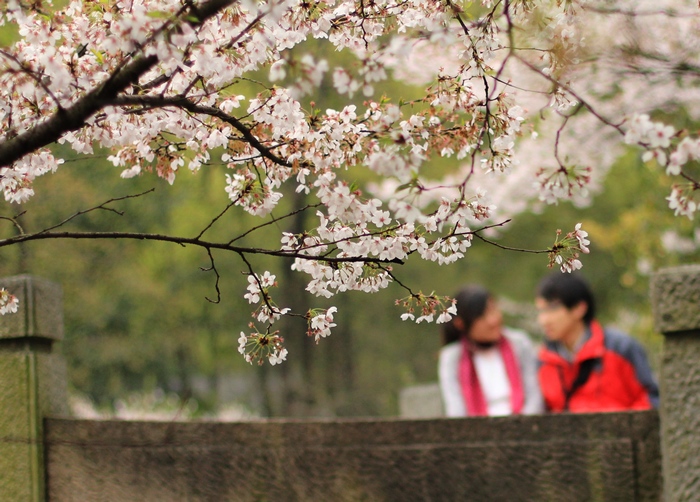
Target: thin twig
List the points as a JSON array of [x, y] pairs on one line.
[[218, 277], [100, 206]]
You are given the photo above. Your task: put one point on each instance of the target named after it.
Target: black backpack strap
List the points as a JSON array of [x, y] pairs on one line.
[[584, 372]]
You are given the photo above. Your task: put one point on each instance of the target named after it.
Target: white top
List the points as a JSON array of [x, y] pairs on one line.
[[493, 377], [490, 368]]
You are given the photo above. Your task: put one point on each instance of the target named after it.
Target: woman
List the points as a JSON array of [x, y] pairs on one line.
[[485, 368]]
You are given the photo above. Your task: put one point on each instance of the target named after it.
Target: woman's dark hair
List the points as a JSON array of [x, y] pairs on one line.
[[471, 304], [569, 290]]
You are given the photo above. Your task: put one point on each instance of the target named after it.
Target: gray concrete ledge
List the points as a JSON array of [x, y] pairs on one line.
[[566, 457]]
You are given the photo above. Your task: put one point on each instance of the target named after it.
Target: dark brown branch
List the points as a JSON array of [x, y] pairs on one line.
[[215, 219], [185, 241], [15, 221], [274, 220], [218, 277], [508, 248], [102, 206]]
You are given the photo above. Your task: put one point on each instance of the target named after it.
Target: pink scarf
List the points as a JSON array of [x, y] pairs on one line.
[[471, 388]]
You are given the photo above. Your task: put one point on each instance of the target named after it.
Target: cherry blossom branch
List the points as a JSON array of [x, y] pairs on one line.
[[568, 89], [215, 219], [487, 94], [264, 294], [261, 287], [34, 76], [186, 104], [75, 117], [395, 279]]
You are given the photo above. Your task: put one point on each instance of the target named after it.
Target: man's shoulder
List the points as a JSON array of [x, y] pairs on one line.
[[620, 342]]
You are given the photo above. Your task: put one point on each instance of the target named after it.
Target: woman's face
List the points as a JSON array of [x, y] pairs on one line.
[[487, 327]]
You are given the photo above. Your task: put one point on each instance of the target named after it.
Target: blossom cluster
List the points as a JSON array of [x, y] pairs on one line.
[[8, 302], [565, 251], [320, 322], [258, 292], [256, 347], [429, 306], [561, 182], [662, 144]]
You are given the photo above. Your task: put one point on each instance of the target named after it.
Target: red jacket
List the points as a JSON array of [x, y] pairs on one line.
[[619, 376]]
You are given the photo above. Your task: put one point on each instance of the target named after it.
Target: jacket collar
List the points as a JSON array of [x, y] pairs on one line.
[[592, 348]]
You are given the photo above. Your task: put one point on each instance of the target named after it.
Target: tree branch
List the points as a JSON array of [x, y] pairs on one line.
[[75, 116], [185, 104], [213, 268], [184, 241], [102, 206], [508, 248], [567, 88]]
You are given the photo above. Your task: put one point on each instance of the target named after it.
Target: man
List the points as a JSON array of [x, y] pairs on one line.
[[583, 366]]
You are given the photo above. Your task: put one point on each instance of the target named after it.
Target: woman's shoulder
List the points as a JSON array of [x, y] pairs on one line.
[[451, 350], [517, 336]]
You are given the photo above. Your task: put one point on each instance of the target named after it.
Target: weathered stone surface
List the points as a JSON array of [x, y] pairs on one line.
[[33, 385], [675, 299], [568, 457], [680, 407], [19, 458], [40, 312]]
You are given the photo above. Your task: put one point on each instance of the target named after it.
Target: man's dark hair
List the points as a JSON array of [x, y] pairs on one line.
[[569, 290], [471, 304]]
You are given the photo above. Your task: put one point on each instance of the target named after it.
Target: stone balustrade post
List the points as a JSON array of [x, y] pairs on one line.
[[675, 297], [32, 384]]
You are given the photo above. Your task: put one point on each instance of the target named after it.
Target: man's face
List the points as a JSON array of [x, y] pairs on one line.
[[557, 321]]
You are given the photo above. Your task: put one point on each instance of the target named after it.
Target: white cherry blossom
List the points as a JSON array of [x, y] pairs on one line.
[[9, 303], [530, 102]]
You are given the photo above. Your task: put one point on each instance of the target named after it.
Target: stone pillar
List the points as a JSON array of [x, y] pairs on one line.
[[32, 384], [675, 297]]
